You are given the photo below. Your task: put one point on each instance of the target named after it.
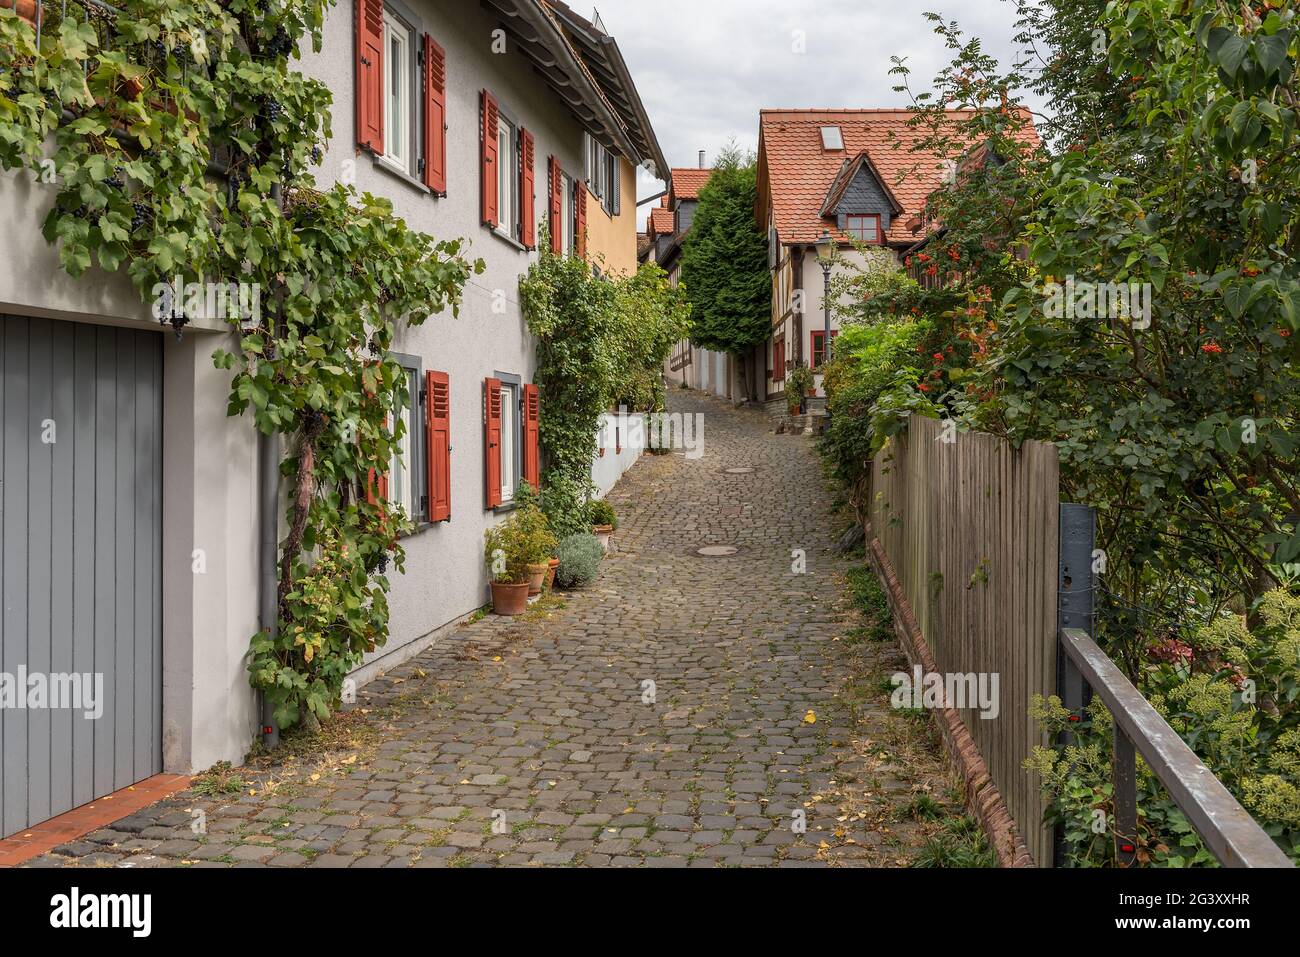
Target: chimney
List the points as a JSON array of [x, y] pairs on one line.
[[701, 159]]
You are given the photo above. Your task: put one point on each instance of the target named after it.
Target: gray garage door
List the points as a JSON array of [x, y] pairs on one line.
[[80, 564]]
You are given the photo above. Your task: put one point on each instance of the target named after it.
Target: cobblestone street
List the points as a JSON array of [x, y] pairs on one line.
[[535, 741]]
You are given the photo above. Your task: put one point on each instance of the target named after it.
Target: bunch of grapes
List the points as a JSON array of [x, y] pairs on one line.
[[279, 45], [143, 215]]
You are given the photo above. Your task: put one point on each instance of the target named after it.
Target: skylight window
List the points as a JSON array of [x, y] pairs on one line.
[[831, 138]]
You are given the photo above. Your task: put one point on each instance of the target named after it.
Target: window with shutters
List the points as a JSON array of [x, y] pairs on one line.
[[401, 94], [604, 175], [509, 440]]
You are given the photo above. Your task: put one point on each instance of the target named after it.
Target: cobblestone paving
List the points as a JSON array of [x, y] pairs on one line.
[[531, 742]]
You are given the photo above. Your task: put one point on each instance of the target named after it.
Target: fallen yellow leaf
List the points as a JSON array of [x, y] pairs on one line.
[[810, 717]]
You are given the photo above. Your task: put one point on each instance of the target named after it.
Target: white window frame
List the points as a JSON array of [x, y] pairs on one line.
[[399, 103], [507, 176], [509, 439], [568, 210], [406, 478]]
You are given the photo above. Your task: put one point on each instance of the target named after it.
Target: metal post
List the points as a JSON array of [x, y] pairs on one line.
[[1074, 609], [1074, 606], [268, 516], [1124, 827], [826, 336]]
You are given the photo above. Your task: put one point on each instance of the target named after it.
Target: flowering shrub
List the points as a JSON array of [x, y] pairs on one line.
[[1233, 694]]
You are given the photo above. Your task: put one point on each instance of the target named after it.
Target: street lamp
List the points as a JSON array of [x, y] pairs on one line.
[[826, 247]]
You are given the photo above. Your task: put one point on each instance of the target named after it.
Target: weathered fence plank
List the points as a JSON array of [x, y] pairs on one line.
[[970, 527]]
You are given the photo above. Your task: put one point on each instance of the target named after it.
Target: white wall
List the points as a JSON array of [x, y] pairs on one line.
[[607, 469], [209, 710], [445, 576]]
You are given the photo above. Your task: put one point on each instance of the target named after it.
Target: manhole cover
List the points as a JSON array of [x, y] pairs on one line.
[[717, 551], [739, 470]]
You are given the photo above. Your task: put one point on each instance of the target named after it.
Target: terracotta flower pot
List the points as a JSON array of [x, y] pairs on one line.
[[602, 535], [26, 10], [537, 575], [551, 566], [508, 598]]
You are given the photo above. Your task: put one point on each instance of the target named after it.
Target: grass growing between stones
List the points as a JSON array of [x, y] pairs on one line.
[[960, 843], [217, 780], [913, 801]]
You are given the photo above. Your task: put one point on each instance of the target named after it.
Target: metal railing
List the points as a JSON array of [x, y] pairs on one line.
[[1227, 828]]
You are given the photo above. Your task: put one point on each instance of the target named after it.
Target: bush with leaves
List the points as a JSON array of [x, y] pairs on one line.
[[580, 557], [1233, 694], [130, 111], [724, 260], [523, 539], [598, 341], [602, 513]]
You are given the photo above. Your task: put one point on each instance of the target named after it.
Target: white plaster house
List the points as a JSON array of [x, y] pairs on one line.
[[101, 528]]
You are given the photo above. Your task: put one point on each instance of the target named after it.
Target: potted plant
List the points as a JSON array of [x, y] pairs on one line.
[[26, 9], [603, 521], [506, 552], [799, 384], [537, 544]]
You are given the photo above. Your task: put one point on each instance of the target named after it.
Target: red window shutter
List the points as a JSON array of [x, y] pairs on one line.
[[376, 487], [556, 182], [377, 484], [527, 181], [532, 428], [580, 219], [435, 116], [492, 439], [437, 423], [369, 91], [489, 160]]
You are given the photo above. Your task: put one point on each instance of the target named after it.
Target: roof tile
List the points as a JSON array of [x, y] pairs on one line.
[[799, 172]]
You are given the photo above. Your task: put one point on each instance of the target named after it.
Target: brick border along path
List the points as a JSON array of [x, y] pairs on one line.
[[541, 725]]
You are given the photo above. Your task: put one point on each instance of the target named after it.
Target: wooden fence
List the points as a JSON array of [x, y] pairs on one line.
[[970, 527]]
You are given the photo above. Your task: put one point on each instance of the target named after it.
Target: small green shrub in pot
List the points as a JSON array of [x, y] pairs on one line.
[[797, 385], [580, 556], [506, 551], [602, 513]]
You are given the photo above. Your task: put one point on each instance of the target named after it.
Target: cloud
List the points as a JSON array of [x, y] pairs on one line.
[[704, 68]]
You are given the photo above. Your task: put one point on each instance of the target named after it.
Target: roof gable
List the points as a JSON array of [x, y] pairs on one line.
[[798, 178], [858, 179]]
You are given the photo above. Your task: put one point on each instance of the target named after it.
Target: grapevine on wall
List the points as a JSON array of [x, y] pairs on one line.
[[178, 142]]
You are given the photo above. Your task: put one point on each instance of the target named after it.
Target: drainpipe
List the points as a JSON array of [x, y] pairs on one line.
[[796, 267], [268, 520]]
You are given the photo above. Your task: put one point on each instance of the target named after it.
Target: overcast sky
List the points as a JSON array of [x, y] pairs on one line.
[[704, 68]]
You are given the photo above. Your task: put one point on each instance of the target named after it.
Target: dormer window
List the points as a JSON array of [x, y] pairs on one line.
[[832, 138], [864, 228]]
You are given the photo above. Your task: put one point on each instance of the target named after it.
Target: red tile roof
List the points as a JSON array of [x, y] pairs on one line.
[[687, 182], [796, 173], [661, 222]]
